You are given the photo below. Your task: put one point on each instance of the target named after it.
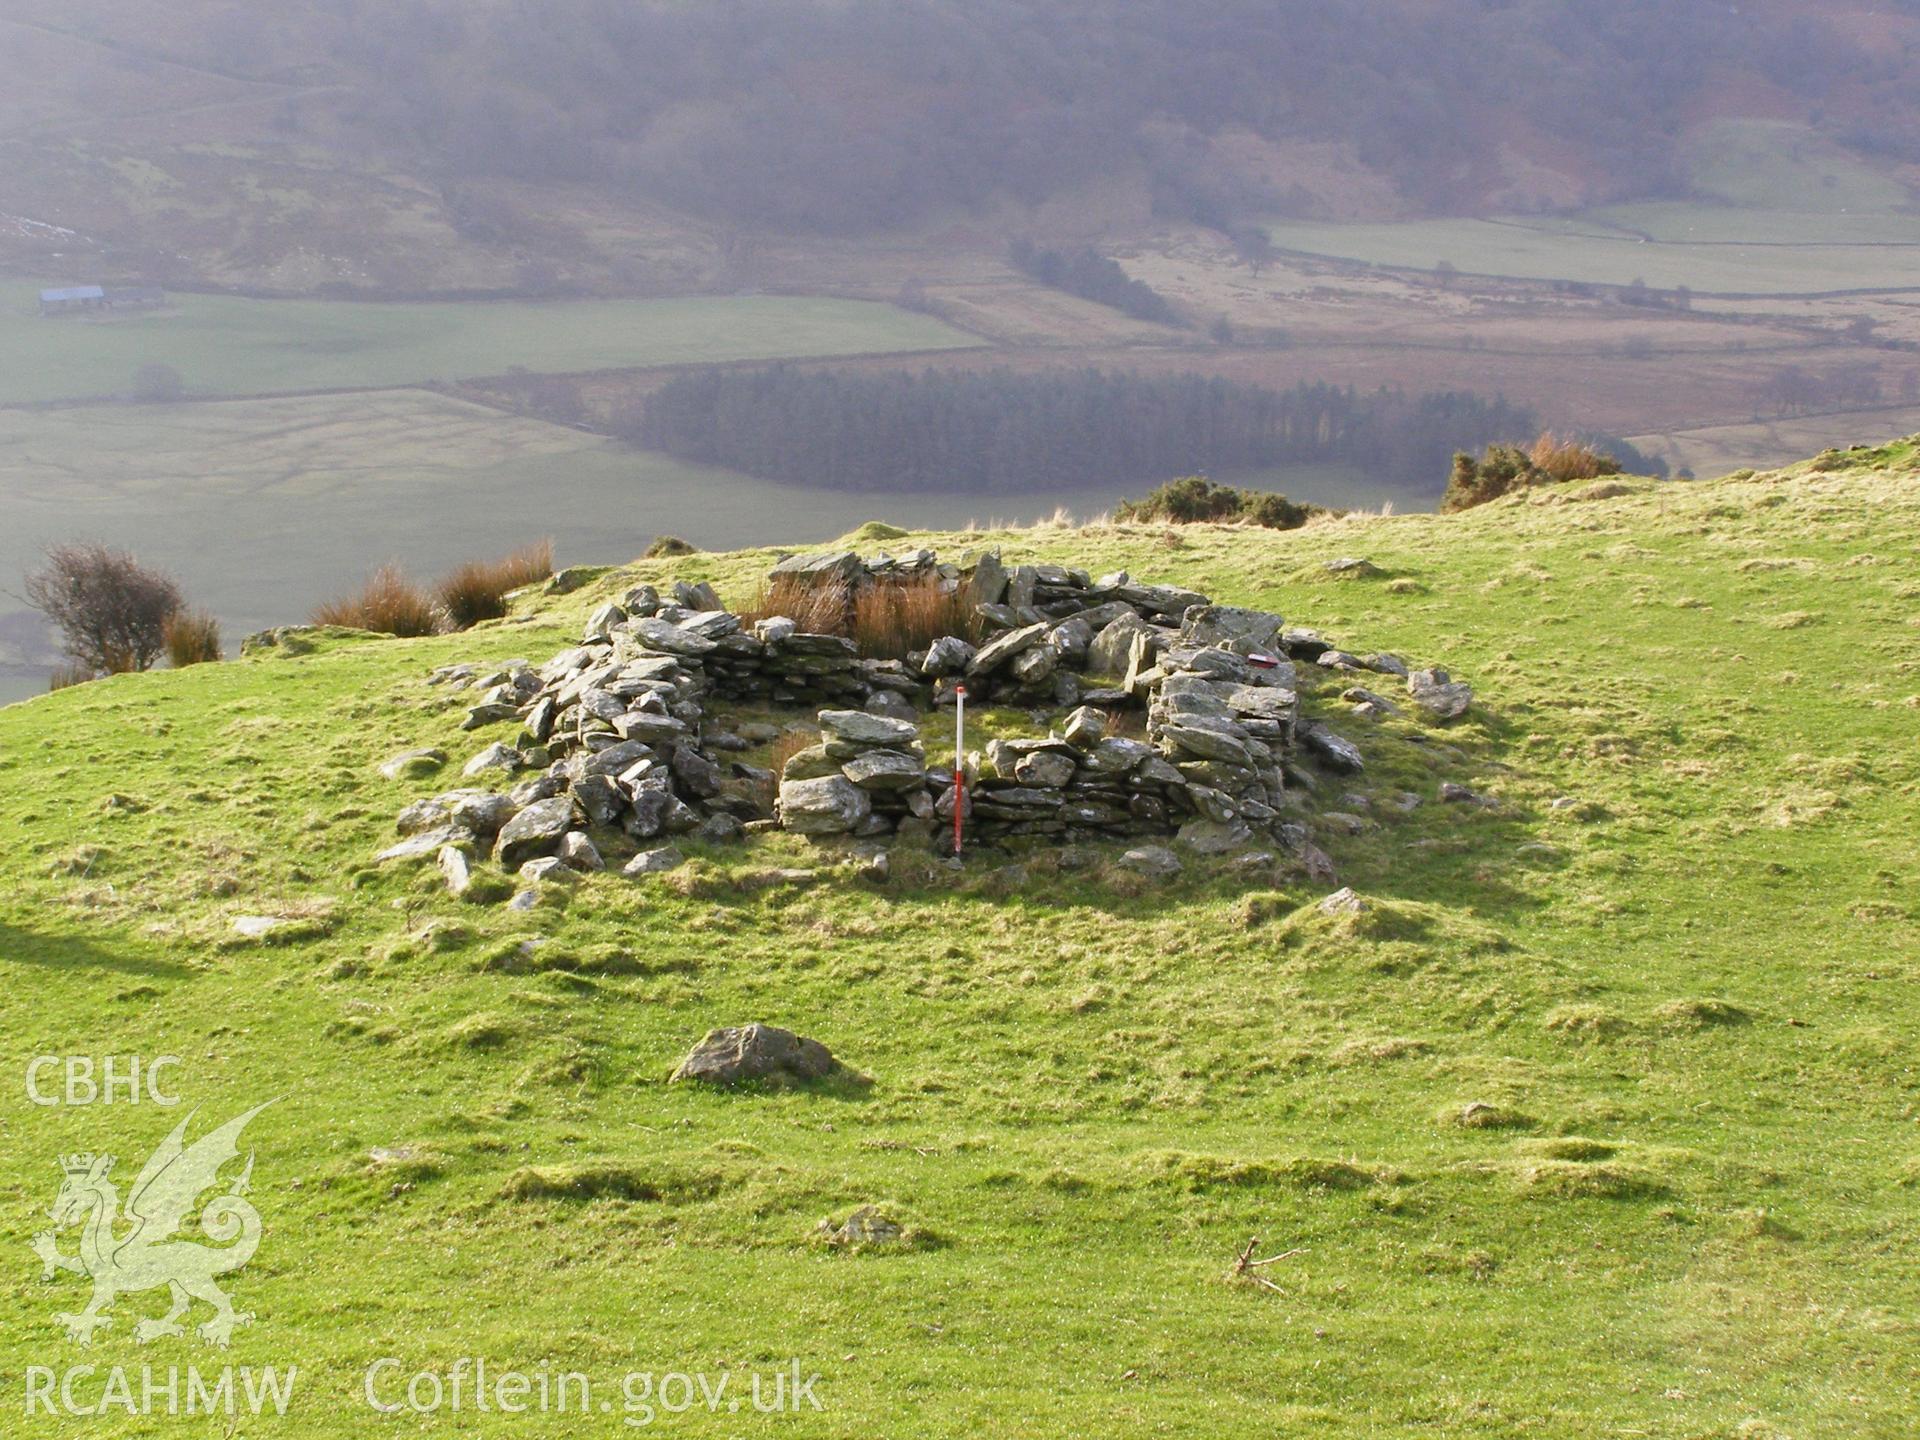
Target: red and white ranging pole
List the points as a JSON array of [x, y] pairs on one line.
[[959, 764]]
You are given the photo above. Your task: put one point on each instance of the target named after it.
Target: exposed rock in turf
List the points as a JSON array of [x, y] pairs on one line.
[[865, 1228], [655, 861], [1439, 694], [457, 869], [1155, 861], [1342, 902], [412, 764], [739, 1053]]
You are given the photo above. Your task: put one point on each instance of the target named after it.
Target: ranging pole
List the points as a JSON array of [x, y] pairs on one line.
[[959, 763]]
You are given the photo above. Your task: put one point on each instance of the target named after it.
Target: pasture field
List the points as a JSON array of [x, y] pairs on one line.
[[1710, 450], [224, 345], [1776, 163], [1598, 1119], [1779, 258], [326, 487]]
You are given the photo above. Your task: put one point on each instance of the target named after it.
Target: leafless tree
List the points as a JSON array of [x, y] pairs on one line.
[[111, 611]]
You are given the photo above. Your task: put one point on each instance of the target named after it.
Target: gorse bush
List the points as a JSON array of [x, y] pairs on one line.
[[192, 638], [1504, 469], [111, 610], [388, 603], [1194, 500], [478, 590]]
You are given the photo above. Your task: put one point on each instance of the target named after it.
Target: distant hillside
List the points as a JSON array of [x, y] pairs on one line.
[[805, 115]]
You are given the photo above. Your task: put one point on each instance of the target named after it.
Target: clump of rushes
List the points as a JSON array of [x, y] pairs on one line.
[[819, 608], [891, 620], [388, 603], [478, 590], [192, 638]]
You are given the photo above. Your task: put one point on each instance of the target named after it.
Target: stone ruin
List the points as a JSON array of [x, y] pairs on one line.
[[627, 733]]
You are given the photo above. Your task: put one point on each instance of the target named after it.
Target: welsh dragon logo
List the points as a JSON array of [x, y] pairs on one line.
[[143, 1249]]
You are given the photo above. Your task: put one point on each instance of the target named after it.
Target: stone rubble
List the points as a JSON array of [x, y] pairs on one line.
[[621, 742]]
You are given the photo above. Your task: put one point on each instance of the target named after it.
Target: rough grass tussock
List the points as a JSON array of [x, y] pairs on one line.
[[387, 604]]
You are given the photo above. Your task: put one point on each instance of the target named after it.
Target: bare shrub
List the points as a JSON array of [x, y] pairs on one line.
[[193, 638], [110, 609], [478, 589], [388, 603]]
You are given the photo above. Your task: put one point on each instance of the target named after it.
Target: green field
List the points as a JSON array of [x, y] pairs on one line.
[[1777, 211], [1676, 966], [1763, 444], [326, 487], [1778, 260], [227, 346]]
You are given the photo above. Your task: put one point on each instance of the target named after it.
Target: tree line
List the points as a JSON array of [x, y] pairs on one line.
[[1003, 432], [1092, 276]]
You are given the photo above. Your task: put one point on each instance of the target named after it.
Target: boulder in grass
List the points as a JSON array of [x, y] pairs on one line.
[[1156, 862], [1213, 837], [412, 764], [738, 1053], [655, 861], [1438, 694]]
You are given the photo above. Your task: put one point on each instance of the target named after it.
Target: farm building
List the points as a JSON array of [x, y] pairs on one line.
[[72, 298], [136, 297]]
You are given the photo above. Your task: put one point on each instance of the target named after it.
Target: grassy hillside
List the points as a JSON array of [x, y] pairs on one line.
[[1673, 973], [226, 345]]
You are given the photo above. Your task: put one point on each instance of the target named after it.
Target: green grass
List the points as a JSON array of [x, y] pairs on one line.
[[229, 346], [1688, 997]]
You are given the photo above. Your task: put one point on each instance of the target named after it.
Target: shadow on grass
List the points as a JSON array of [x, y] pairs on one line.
[[70, 952]]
